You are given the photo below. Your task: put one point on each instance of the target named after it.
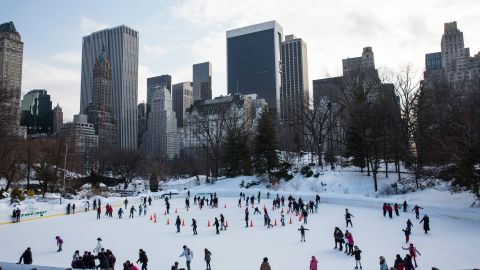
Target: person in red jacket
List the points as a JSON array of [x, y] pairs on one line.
[[389, 209], [99, 211], [384, 209], [412, 250], [313, 263]]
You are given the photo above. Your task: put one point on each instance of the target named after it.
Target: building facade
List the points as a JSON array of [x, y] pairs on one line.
[[294, 94], [11, 59], [202, 81], [433, 61], [182, 97], [162, 137], [82, 135], [57, 119], [254, 62], [37, 114], [100, 110], [142, 121], [121, 44], [155, 82]]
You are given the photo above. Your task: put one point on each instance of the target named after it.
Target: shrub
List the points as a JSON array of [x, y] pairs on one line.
[[17, 194]]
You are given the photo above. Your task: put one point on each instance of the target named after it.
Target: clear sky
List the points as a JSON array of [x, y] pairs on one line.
[[174, 34]]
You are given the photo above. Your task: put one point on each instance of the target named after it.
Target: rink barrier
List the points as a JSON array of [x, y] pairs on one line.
[[14, 266]]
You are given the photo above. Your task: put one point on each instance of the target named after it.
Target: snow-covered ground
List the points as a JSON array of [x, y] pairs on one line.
[[450, 245]]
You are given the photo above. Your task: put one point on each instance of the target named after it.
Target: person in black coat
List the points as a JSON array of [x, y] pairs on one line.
[[143, 259], [26, 256], [194, 225], [178, 222], [217, 224], [426, 223], [356, 253]]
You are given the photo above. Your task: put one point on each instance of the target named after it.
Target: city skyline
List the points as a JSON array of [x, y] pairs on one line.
[[332, 32]]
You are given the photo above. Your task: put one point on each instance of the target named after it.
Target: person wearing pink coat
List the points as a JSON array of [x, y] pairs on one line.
[[313, 263]]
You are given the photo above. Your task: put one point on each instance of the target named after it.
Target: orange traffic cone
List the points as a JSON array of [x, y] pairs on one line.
[[187, 209], [155, 220], [209, 223], [296, 213], [151, 218], [155, 215], [240, 205], [168, 221], [251, 223], [275, 223], [300, 218], [183, 222], [165, 213], [176, 211], [226, 224], [290, 220]]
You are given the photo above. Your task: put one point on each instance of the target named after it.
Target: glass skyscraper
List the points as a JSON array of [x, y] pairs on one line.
[[202, 81], [121, 45], [254, 62]]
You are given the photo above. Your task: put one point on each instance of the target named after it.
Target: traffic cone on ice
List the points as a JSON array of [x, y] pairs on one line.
[[251, 223], [168, 221], [226, 224], [290, 221], [165, 213], [275, 223], [155, 215], [183, 222], [176, 211], [151, 218], [208, 224], [296, 213], [155, 220], [187, 209], [300, 218], [240, 205], [225, 205]]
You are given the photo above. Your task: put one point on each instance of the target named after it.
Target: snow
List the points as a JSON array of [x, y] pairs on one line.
[[243, 248]]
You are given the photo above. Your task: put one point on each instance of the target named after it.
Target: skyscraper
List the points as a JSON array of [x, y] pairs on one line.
[[254, 62], [155, 82], [182, 97], [142, 121], [202, 81], [433, 61], [57, 119], [294, 95], [37, 113], [162, 137], [100, 110], [121, 44], [11, 58]]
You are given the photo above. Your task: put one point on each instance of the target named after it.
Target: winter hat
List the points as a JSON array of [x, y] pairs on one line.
[[99, 239]]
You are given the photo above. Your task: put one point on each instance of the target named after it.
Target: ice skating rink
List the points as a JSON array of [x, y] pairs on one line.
[[451, 243]]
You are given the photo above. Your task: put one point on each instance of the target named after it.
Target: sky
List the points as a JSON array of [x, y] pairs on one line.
[[175, 34]]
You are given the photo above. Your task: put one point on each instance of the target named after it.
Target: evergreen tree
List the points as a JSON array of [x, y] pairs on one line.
[[236, 155], [265, 145], [356, 148]]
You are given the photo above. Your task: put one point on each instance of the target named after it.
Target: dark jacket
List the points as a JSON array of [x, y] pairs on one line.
[[27, 257]]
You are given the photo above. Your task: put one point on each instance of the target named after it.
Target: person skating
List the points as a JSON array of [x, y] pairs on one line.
[[26, 257], [188, 256], [246, 217], [208, 258], [383, 263], [216, 224], [120, 212], [167, 205], [68, 209], [86, 205], [178, 222], [399, 264], [302, 233], [338, 237], [73, 209], [194, 226], [389, 209], [356, 252], [132, 210], [222, 222], [282, 220], [412, 250], [408, 262], [305, 216], [384, 209], [77, 260], [94, 204], [257, 211], [407, 234], [313, 263], [149, 201], [417, 211], [125, 203], [348, 218], [265, 265], [395, 207], [99, 212], [143, 259], [140, 209], [409, 224], [103, 259], [426, 223], [349, 243], [405, 205], [59, 243], [98, 247]]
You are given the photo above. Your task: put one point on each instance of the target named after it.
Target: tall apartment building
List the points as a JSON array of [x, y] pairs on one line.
[[202, 81], [154, 83], [121, 44], [100, 110], [433, 61], [182, 97], [57, 119], [254, 62], [162, 137], [142, 122], [37, 114], [294, 94], [11, 59]]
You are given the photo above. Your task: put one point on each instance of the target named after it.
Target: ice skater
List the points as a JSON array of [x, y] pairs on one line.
[[348, 218], [222, 222], [188, 256], [313, 263], [208, 258], [282, 220], [417, 211], [356, 252], [59, 243], [132, 210], [143, 259], [407, 234], [246, 217], [302, 233], [194, 226], [217, 224], [26, 257], [99, 212], [412, 250], [98, 247], [125, 203], [120, 212], [338, 237], [426, 223], [178, 222]]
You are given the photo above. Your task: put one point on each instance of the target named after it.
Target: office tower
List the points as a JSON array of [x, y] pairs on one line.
[[37, 113], [142, 121], [155, 82], [254, 62], [11, 58], [182, 97], [100, 110], [202, 81], [121, 44], [362, 63], [433, 61], [162, 137], [294, 94], [57, 119]]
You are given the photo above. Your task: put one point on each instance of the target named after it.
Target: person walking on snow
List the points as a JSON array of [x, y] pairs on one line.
[[313, 263], [348, 218], [412, 250], [143, 259], [417, 211], [208, 258], [59, 243], [178, 222], [302, 233], [426, 223], [98, 247], [194, 225], [356, 252], [188, 256], [132, 210]]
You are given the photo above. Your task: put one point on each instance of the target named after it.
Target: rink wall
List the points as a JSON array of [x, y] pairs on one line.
[[14, 266]]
